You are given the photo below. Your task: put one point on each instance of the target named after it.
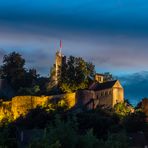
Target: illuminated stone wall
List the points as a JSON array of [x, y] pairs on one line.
[[20, 105], [85, 98], [118, 93], [106, 97], [5, 110]]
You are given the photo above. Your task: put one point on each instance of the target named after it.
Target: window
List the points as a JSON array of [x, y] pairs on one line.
[[109, 92], [106, 93], [102, 94]]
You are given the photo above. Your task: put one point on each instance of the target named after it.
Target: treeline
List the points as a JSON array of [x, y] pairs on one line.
[[76, 73], [21, 80]]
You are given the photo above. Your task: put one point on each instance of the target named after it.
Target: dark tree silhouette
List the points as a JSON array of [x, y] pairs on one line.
[[13, 69]]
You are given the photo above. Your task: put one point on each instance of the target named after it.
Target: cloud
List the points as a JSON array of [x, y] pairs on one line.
[[135, 86], [74, 16], [111, 34]]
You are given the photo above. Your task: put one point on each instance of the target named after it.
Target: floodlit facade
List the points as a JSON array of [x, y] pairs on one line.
[[105, 94]]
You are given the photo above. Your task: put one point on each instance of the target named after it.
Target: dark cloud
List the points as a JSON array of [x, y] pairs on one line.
[[136, 86], [79, 16]]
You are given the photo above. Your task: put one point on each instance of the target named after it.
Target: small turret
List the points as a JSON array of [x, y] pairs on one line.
[[99, 78]]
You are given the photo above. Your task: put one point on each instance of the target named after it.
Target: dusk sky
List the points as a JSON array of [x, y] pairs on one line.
[[113, 34]]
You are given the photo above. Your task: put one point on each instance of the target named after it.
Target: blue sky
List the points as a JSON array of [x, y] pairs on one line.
[[113, 34]]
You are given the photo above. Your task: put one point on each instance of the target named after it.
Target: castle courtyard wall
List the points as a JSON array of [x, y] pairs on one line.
[[20, 105]]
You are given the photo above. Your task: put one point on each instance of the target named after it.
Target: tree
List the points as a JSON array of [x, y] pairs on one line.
[[31, 77], [7, 137], [122, 109], [117, 140], [34, 90], [13, 69], [89, 140], [18, 77], [108, 76], [135, 122], [75, 74]]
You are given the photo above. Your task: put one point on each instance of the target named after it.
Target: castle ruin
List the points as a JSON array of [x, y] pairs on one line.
[[104, 91]]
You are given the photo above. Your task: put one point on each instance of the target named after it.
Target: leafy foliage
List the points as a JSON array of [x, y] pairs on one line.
[[100, 121], [7, 137], [13, 69], [135, 122], [89, 140], [76, 74], [108, 76], [63, 134], [14, 72], [117, 140], [122, 109], [29, 91]]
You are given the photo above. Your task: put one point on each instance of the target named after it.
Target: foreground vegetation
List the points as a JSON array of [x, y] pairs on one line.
[[56, 126]]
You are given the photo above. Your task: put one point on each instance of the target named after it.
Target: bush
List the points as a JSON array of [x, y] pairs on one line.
[[117, 140], [65, 134], [122, 109], [89, 141], [135, 122]]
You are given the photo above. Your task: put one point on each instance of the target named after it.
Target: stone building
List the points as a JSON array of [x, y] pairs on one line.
[[101, 94]]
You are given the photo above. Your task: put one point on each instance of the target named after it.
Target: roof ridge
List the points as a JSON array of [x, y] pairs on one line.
[[101, 86]]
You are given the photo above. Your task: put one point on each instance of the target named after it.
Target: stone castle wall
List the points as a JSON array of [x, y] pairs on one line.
[[5, 109], [106, 97], [20, 105], [84, 97]]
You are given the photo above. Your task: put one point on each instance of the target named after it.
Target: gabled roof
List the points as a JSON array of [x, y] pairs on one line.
[[101, 86]]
